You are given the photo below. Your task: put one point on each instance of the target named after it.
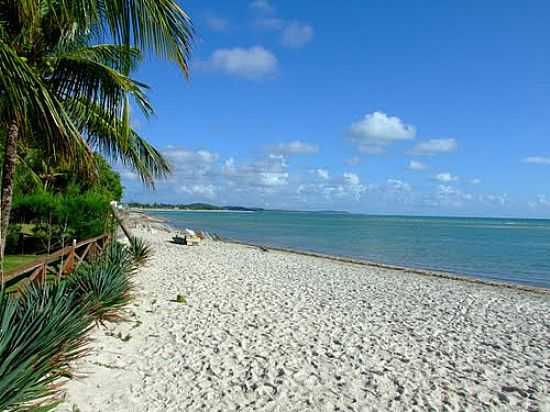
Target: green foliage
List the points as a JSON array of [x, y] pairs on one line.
[[36, 173], [118, 254], [15, 239], [41, 333], [57, 218], [140, 250], [46, 328], [105, 285]]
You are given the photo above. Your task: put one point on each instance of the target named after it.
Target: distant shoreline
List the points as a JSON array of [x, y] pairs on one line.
[[191, 210]]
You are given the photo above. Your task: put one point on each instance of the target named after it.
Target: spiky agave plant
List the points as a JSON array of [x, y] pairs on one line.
[[117, 253], [106, 284], [41, 333], [141, 251]]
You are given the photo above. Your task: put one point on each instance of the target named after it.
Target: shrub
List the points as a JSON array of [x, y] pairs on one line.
[[57, 218], [41, 333], [141, 251]]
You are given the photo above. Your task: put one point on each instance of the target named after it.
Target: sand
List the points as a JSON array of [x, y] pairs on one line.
[[275, 331]]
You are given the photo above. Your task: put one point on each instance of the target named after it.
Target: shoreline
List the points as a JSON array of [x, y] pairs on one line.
[[136, 210], [417, 271], [366, 262]]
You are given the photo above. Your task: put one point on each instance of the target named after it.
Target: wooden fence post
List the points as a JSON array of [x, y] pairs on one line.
[[68, 266]]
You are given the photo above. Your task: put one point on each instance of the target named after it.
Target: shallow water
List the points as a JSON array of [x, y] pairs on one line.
[[511, 250]]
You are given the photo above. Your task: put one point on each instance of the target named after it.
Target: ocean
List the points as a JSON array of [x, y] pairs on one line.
[[510, 250]]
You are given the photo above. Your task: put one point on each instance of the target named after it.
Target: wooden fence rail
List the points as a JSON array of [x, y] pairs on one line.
[[59, 263]]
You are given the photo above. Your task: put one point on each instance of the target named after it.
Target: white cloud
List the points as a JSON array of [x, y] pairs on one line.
[[377, 130], [537, 160], [294, 147], [206, 191], [322, 174], [417, 166], [262, 6], [252, 63], [186, 158], [499, 200], [435, 146], [351, 179], [269, 172], [296, 35], [128, 175], [216, 23], [398, 185], [449, 196], [542, 201], [353, 186], [446, 177], [475, 181]]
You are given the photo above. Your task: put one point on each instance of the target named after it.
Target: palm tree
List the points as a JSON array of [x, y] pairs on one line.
[[65, 90]]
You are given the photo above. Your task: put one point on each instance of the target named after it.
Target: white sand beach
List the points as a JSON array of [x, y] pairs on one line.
[[275, 331]]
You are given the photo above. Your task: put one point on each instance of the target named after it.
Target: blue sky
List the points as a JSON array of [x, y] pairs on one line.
[[419, 107]]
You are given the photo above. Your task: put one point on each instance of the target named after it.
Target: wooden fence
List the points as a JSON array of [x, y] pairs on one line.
[[59, 263]]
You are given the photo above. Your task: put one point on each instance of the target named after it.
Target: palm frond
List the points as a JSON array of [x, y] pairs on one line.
[[85, 74], [119, 143], [160, 26], [29, 102]]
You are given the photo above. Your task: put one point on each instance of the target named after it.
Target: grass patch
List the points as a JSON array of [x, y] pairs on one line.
[[15, 261]]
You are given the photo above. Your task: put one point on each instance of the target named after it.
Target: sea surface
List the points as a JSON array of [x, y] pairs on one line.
[[510, 250]]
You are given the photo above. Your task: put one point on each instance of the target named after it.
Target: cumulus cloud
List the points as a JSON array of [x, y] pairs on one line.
[[294, 148], [322, 174], [296, 35], [262, 6], [206, 191], [398, 185], [216, 23], [435, 146], [252, 63], [377, 130], [475, 181], [269, 172], [446, 177], [537, 160], [416, 165], [492, 199], [541, 201], [189, 163], [351, 179], [450, 196]]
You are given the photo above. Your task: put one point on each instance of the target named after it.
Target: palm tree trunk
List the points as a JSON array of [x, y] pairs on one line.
[[10, 154]]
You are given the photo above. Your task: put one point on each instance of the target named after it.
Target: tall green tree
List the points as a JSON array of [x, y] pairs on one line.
[[65, 83]]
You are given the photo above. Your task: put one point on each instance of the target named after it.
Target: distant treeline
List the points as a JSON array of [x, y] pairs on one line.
[[190, 206]]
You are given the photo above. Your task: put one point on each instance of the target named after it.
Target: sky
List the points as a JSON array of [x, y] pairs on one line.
[[383, 107]]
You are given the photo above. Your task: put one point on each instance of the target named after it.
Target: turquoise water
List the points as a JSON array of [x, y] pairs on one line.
[[511, 250]]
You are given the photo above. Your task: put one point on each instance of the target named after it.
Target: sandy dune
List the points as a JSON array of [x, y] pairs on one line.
[[277, 331]]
